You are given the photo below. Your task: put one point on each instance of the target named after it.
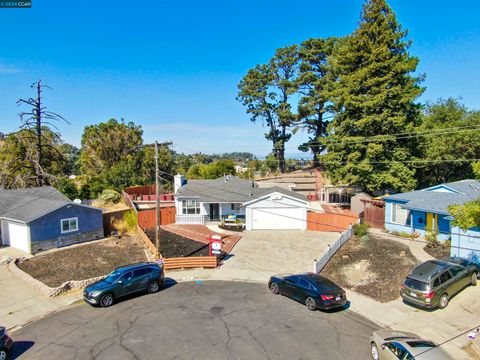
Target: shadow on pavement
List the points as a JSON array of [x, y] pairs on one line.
[[19, 348]]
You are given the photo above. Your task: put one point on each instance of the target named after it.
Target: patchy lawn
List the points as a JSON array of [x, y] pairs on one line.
[[84, 261], [173, 245], [438, 251], [375, 268]]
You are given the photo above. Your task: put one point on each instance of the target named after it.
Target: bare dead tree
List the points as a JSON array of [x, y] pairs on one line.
[[38, 120]]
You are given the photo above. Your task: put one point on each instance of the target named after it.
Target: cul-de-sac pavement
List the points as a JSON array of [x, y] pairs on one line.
[[198, 320]]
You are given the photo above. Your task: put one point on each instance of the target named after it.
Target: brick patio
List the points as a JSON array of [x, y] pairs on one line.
[[201, 232]]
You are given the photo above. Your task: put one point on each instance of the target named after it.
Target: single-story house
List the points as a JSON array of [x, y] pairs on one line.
[[201, 201], [426, 210], [36, 219]]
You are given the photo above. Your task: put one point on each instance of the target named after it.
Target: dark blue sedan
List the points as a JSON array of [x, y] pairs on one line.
[[313, 290]]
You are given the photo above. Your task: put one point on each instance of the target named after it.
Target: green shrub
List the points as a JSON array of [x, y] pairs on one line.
[[360, 229], [364, 239], [431, 239], [403, 234], [130, 218], [110, 196]]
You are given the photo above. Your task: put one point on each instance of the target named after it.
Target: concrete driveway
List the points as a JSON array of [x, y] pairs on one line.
[[262, 253], [21, 303]]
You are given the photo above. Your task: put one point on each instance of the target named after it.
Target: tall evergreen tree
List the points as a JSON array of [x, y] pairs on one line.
[[267, 91], [315, 84], [375, 95]]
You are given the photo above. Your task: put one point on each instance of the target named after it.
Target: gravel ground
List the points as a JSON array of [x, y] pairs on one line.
[[84, 261], [173, 245], [375, 268]]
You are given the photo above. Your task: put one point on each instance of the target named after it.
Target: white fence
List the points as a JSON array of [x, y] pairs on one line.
[[191, 219], [318, 264]]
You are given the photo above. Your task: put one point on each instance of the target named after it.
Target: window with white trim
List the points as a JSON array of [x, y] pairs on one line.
[[69, 225], [190, 207], [400, 215], [235, 208]]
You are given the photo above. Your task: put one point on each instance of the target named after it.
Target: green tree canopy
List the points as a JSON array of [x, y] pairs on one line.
[[449, 134], [374, 95], [267, 91], [466, 216]]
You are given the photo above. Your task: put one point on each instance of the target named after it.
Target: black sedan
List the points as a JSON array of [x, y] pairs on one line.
[[313, 290], [6, 343]]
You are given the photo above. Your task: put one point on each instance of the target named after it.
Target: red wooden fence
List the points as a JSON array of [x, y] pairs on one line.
[[329, 222], [374, 216], [146, 218]]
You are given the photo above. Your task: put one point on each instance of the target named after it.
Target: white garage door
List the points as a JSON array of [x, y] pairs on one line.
[[16, 236], [278, 218]]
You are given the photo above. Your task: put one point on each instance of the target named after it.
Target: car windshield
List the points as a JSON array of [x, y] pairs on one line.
[[112, 277], [415, 284]]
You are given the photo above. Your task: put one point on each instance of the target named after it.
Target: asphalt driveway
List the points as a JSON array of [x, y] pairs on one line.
[[262, 253]]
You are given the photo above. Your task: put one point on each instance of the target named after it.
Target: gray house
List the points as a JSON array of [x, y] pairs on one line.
[[203, 201], [36, 219]]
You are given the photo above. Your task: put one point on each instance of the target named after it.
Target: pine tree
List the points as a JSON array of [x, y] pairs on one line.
[[375, 95]]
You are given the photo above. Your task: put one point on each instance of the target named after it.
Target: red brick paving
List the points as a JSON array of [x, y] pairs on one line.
[[201, 232]]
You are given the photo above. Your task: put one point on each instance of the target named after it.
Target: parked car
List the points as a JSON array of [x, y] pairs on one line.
[[391, 344], [473, 266], [315, 291], [6, 343], [124, 281], [434, 282]]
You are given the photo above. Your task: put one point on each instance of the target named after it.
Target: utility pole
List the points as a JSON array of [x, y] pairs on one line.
[[157, 203]]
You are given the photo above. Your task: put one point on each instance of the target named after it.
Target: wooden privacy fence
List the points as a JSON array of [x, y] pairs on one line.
[[375, 217], [146, 240], [319, 264], [317, 221], [147, 219]]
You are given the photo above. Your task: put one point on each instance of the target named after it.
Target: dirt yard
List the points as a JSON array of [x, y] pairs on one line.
[[173, 245], [84, 261], [375, 268]]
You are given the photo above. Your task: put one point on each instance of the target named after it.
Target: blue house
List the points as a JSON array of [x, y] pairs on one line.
[[426, 210], [36, 219]]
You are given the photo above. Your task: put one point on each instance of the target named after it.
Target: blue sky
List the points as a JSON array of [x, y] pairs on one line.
[[173, 66]]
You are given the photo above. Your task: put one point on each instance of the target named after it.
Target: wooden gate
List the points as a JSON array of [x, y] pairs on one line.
[[374, 213], [146, 218]]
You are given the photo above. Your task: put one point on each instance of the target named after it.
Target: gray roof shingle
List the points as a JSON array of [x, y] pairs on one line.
[[28, 204], [234, 190], [438, 201]]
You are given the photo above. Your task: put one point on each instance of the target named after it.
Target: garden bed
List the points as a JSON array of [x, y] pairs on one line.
[[438, 252], [173, 245], [375, 268], [84, 261]]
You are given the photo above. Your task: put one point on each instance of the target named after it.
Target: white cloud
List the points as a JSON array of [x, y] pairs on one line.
[[9, 69]]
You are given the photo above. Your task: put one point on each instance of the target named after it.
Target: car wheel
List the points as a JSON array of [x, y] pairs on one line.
[[443, 302], [3, 354], [274, 288], [374, 352], [310, 303], [153, 287], [473, 279], [106, 300]]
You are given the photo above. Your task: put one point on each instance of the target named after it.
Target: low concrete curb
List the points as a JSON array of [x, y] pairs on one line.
[[45, 289]]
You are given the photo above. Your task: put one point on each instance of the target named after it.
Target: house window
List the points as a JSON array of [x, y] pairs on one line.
[[400, 215], [235, 208], [69, 225], [190, 207]]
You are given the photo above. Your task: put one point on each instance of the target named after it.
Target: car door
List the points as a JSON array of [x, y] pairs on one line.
[[125, 285], [447, 283], [390, 351], [141, 278], [290, 287], [460, 276], [303, 289]]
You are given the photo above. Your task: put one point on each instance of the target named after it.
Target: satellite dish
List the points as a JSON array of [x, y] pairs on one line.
[[77, 201]]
